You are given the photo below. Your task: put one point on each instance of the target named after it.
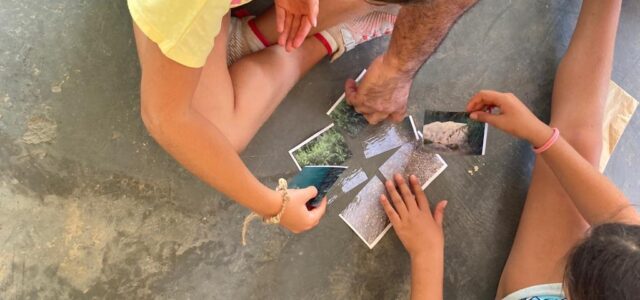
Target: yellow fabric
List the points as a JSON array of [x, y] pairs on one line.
[[618, 111], [184, 30]]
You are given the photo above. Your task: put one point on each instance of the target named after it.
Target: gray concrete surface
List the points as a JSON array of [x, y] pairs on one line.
[[91, 207]]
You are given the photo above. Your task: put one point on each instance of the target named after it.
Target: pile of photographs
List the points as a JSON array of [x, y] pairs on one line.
[[323, 159]]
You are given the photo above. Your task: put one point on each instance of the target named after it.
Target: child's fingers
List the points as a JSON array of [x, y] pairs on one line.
[[421, 198], [391, 213], [284, 36], [313, 15], [485, 98], [319, 211], [438, 212], [407, 195], [295, 30], [280, 16], [484, 117], [303, 31], [397, 200], [310, 193]]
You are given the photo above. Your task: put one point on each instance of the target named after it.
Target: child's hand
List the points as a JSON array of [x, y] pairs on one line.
[[420, 232], [297, 218], [514, 117]]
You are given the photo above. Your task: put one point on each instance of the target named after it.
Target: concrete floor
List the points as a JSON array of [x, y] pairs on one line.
[[92, 207]]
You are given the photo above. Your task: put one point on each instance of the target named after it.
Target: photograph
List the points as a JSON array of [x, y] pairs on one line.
[[345, 117], [365, 214], [411, 159], [388, 136], [321, 177], [453, 133], [349, 180], [325, 148]]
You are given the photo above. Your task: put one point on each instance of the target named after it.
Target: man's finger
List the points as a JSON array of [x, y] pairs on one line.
[[407, 195], [397, 117], [351, 91], [313, 15], [397, 200], [421, 198], [280, 16], [310, 193], [375, 118], [284, 36], [391, 213], [438, 213]]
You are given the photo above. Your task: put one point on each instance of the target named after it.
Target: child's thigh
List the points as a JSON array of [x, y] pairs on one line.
[[549, 228]]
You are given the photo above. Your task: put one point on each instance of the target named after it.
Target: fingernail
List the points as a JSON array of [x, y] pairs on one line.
[[473, 116], [445, 204]]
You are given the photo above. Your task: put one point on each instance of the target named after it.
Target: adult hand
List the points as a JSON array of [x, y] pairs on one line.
[[382, 93], [419, 231], [514, 117], [297, 218], [294, 19]]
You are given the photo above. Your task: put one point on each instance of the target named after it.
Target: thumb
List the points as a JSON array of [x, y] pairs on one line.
[[310, 193], [484, 117], [438, 212], [350, 90]]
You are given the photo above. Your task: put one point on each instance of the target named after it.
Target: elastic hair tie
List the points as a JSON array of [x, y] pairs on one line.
[[552, 140]]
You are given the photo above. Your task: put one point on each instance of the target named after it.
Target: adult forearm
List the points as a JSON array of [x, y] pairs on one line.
[[201, 148], [427, 277], [418, 31]]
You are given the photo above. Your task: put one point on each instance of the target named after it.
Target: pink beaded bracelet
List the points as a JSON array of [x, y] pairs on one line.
[[552, 140]]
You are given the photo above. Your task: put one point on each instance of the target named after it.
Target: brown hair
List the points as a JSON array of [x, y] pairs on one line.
[[606, 264]]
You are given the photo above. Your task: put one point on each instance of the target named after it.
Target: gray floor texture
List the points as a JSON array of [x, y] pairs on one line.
[[92, 208]]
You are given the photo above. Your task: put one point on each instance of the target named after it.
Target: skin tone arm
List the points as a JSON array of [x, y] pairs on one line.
[[597, 199], [200, 146], [418, 31], [420, 232]]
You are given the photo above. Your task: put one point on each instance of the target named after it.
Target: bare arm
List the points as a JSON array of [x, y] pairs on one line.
[[594, 195], [418, 31], [166, 92]]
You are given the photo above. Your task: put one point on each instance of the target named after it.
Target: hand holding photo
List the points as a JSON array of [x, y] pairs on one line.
[[321, 177], [347, 119], [325, 148], [453, 133]]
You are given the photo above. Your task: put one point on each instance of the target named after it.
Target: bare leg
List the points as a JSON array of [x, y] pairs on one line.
[[240, 98], [550, 225]]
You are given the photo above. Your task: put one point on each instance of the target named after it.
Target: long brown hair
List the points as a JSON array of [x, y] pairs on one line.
[[606, 264]]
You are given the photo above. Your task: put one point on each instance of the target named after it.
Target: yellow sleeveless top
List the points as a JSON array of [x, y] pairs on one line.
[[184, 30]]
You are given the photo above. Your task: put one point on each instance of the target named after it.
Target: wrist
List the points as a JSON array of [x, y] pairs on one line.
[[427, 259], [540, 134], [396, 69], [269, 204]]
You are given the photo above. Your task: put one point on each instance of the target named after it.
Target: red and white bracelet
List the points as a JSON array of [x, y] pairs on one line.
[[552, 140]]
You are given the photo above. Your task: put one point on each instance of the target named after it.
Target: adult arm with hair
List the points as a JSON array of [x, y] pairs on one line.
[[419, 29]]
